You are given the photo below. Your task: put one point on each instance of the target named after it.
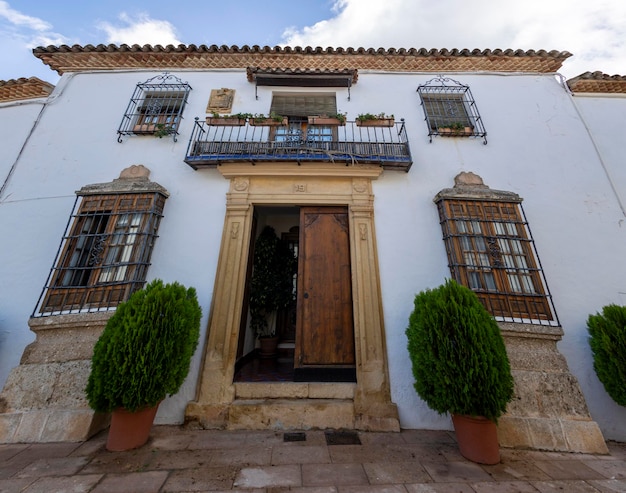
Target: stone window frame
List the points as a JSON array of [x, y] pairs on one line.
[[106, 249], [491, 250]]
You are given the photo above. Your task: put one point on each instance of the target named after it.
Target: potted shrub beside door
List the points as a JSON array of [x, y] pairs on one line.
[[142, 356], [460, 366], [271, 287]]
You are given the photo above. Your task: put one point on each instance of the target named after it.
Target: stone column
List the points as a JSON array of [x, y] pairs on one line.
[[373, 407]]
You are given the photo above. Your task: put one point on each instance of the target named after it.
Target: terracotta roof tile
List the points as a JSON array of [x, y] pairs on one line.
[[23, 88], [598, 82], [110, 57]]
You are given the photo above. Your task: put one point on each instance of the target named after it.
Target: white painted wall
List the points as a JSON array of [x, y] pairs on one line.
[[17, 119], [538, 148]]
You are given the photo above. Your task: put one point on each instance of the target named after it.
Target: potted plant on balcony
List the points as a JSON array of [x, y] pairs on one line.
[[236, 120], [455, 129], [273, 120], [460, 366], [337, 119], [374, 120], [142, 356], [271, 287], [608, 345]]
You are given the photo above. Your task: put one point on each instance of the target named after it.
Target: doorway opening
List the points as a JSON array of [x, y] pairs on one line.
[[315, 329]]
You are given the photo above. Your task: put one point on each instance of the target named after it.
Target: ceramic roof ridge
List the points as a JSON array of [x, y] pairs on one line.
[[295, 49]]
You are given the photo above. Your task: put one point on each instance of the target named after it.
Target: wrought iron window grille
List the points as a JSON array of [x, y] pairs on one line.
[[450, 109], [155, 108], [104, 254], [491, 250]]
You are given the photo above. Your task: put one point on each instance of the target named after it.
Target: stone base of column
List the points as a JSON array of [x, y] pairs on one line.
[[548, 411], [44, 399]]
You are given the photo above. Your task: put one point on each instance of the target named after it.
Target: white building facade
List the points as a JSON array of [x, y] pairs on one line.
[[490, 138]]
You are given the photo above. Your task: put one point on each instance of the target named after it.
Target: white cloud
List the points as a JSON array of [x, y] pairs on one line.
[[28, 30], [18, 19], [141, 30], [593, 31]]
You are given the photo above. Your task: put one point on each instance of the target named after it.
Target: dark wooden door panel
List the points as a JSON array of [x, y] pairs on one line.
[[325, 333]]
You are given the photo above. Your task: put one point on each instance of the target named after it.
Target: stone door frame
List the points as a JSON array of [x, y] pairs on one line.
[[292, 184]]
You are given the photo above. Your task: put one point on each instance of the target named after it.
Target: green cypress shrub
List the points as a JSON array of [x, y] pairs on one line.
[[145, 350], [608, 346], [458, 356]]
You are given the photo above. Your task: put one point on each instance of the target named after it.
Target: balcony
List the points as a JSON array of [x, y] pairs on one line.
[[349, 144]]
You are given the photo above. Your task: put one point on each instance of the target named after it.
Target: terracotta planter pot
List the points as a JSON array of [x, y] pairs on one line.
[[477, 438], [268, 347], [324, 120], [130, 430], [380, 122], [267, 122], [455, 132], [225, 122]]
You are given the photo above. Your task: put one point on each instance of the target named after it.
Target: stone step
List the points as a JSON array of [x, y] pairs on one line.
[[291, 390], [291, 414]]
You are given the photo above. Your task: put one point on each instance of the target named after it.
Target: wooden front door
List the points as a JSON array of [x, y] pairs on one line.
[[324, 330]]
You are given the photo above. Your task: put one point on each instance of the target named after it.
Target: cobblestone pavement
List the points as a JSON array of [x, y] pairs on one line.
[[412, 461]]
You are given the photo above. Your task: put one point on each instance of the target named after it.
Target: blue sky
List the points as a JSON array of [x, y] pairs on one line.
[[594, 32]]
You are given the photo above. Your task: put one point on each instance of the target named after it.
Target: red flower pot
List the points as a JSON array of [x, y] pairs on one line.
[[477, 438], [130, 430]]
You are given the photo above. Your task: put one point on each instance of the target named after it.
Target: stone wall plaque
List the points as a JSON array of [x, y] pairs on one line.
[[221, 101]]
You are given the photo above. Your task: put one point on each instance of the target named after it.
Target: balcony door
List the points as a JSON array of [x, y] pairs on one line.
[[298, 107]]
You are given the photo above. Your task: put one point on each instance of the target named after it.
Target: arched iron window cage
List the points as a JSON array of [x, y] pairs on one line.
[[155, 108], [450, 109]]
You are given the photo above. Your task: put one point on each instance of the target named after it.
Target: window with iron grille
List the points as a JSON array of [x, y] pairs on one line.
[[491, 251], [105, 252], [450, 109], [155, 108]]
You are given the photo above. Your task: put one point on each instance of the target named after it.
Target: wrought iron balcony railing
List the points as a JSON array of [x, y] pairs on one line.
[[211, 145]]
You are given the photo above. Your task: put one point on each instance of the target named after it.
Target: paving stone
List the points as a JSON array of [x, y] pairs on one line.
[[333, 474], [568, 469], [81, 483], [243, 456], [181, 459], [610, 469], [439, 488], [564, 486], [504, 487], [261, 477], [13, 485], [65, 466], [300, 455], [456, 472], [396, 472], [137, 482], [202, 479], [609, 485], [378, 488], [516, 471]]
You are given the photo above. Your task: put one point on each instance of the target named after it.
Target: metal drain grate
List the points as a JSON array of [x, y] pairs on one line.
[[294, 437], [342, 438]]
